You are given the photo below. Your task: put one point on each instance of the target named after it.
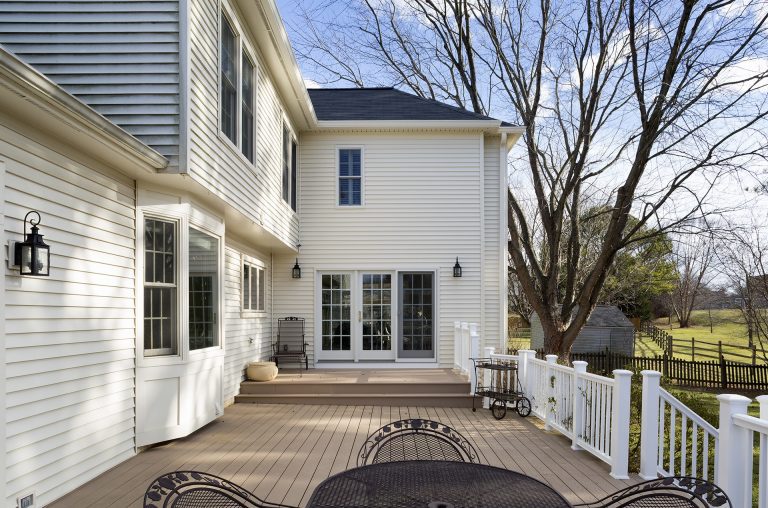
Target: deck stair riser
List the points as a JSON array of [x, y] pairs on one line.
[[432, 388]]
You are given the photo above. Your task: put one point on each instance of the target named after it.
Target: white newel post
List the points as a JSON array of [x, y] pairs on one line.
[[457, 345], [551, 360], [622, 391], [474, 341], [734, 449], [487, 353], [579, 367], [649, 426], [466, 348], [763, 485], [523, 365]]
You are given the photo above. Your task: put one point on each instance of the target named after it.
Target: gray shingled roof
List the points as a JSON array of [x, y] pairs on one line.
[[382, 104], [605, 316]]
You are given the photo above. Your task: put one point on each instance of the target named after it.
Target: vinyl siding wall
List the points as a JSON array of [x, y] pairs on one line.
[[422, 207], [119, 57], [215, 162], [241, 326], [70, 337]]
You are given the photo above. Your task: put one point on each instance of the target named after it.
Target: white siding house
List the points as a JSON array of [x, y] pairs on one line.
[[180, 169]]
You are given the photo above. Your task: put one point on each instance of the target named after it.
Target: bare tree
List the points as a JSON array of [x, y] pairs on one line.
[[629, 106], [517, 299], [744, 258], [693, 262]]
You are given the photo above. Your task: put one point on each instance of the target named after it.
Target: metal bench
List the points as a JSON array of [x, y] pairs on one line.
[[290, 341]]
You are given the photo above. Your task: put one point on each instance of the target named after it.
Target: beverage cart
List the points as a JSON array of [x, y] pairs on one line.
[[497, 379]]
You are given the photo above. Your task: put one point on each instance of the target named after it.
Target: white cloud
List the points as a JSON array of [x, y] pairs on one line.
[[310, 83]]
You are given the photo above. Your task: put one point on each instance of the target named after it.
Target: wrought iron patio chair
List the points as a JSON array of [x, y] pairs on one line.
[[194, 489], [416, 439], [671, 492], [290, 341]]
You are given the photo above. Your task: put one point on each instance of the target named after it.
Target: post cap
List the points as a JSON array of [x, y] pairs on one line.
[[551, 358], [650, 373], [762, 399], [732, 398], [622, 373]]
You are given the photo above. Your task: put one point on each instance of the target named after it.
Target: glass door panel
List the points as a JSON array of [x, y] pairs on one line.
[[336, 312], [416, 338], [376, 316]]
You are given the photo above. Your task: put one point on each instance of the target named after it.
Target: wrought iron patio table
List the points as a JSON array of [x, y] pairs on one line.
[[433, 484]]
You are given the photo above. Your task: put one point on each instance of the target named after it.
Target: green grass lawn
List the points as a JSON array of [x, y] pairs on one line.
[[728, 326]]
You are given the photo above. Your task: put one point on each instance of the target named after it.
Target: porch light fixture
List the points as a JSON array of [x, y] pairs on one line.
[[457, 269], [33, 255], [296, 272]]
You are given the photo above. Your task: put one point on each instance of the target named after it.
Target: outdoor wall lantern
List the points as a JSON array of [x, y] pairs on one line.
[[296, 272], [33, 255], [457, 269]]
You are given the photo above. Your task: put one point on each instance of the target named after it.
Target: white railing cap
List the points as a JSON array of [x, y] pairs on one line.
[[650, 373], [622, 372], [761, 398]]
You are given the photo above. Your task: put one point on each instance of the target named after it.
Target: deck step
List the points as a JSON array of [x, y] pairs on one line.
[[362, 399], [314, 388]]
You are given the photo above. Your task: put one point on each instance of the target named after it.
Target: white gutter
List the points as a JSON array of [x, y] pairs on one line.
[[416, 124], [39, 91]]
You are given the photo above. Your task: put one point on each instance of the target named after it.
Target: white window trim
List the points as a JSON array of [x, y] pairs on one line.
[[186, 214], [337, 176], [252, 263], [292, 132], [244, 48]]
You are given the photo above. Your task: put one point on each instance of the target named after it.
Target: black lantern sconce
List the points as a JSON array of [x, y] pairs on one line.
[[457, 269], [32, 255], [296, 272]]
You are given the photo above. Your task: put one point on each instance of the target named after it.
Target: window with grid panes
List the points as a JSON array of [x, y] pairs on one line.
[[350, 177], [228, 98], [160, 289]]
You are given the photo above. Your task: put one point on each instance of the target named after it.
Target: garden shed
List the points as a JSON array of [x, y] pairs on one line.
[[606, 328]]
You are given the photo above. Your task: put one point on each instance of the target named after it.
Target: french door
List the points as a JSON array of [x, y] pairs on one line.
[[356, 316], [417, 307]]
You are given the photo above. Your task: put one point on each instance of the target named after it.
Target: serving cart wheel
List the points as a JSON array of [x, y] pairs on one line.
[[499, 409], [523, 406]]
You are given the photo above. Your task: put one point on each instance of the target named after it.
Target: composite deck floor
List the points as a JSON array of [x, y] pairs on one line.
[[282, 452]]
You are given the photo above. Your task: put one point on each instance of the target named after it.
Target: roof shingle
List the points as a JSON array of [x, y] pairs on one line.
[[382, 104]]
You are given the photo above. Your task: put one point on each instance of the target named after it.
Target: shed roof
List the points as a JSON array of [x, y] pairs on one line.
[[608, 316], [604, 316], [383, 104]]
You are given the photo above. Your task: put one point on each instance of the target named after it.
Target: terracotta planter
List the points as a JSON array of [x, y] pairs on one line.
[[261, 371]]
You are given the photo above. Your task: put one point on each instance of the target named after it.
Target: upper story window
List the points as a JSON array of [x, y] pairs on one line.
[[289, 167], [238, 89], [228, 99], [350, 177], [246, 127]]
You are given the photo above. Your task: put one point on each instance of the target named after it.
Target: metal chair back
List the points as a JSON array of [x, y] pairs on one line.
[[194, 489], [671, 492], [290, 341], [416, 439]]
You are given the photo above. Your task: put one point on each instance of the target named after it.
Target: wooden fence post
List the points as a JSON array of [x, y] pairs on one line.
[[693, 349], [649, 426], [723, 374], [754, 355]]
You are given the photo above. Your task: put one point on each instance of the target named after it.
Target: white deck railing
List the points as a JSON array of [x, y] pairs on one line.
[[592, 410], [675, 441]]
